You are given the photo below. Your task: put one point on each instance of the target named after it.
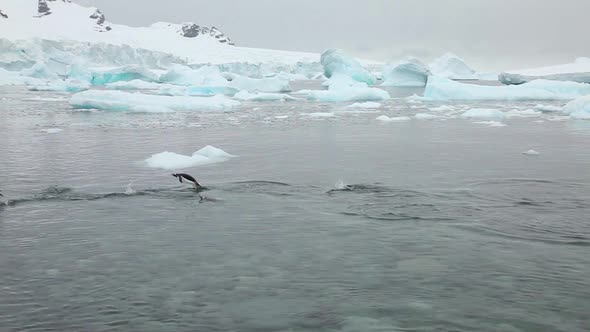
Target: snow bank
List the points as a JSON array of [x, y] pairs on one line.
[[451, 66], [444, 89], [336, 62], [578, 71], [410, 72], [138, 102], [173, 161], [483, 113], [258, 96], [579, 108]]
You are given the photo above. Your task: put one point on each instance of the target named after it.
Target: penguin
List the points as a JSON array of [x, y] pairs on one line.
[[188, 179]]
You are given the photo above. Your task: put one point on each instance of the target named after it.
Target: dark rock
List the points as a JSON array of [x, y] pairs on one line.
[[3, 15], [43, 8], [191, 30], [98, 16]]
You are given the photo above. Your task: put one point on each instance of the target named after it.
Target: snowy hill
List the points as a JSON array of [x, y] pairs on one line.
[[62, 20]]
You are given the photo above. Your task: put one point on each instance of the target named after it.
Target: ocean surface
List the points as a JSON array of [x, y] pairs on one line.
[[328, 219]]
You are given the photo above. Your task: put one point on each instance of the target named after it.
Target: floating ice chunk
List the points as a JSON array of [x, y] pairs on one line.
[[531, 153], [443, 108], [321, 115], [204, 76], [336, 62], [579, 108], [273, 84], [69, 85], [125, 73], [53, 130], [445, 89], [451, 66], [173, 161], [578, 71], [410, 72], [425, 116], [385, 118], [523, 113], [367, 104], [491, 123], [483, 113], [343, 88], [548, 108], [259, 96], [280, 117], [135, 85], [123, 101]]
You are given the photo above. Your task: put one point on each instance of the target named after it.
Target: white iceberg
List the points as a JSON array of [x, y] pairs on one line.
[[273, 84], [578, 108], [451, 66], [444, 89], [40, 70], [204, 76], [578, 71], [336, 62], [483, 113], [138, 102], [343, 88], [410, 72], [174, 161]]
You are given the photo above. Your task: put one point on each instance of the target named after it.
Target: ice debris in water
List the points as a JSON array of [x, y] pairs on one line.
[[173, 161], [439, 88], [451, 66], [367, 104], [491, 123], [273, 84], [579, 108], [410, 72], [483, 113], [531, 153], [425, 116], [53, 130], [548, 108], [321, 114], [443, 108], [343, 88], [69, 85], [385, 118], [138, 102], [336, 62], [260, 96]]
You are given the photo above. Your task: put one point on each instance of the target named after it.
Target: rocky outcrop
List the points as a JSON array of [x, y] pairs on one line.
[[43, 9], [3, 15], [100, 19], [192, 30]]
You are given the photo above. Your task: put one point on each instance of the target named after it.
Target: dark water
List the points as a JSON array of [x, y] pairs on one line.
[[440, 225]]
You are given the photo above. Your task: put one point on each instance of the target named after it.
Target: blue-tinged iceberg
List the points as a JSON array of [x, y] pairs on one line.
[[578, 108], [451, 66], [410, 72], [445, 89], [335, 62], [578, 71]]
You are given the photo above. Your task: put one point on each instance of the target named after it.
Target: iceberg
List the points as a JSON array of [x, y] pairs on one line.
[[342, 88], [138, 102], [125, 73], [451, 66], [578, 108], [204, 76], [483, 113], [135, 85], [578, 71], [439, 88], [410, 72], [40, 70], [174, 161], [272, 84], [336, 62]]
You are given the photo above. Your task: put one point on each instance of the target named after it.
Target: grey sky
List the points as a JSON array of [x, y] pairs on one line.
[[489, 34]]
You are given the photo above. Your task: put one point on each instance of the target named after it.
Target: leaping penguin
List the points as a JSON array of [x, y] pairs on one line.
[[187, 178]]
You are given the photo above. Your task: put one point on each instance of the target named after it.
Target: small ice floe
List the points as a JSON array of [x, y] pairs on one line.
[[367, 104], [531, 153], [491, 123], [443, 108], [425, 116], [548, 108], [173, 161], [483, 113], [52, 130], [321, 114], [262, 96], [385, 118], [280, 117]]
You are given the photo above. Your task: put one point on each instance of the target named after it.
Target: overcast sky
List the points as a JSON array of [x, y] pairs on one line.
[[489, 34]]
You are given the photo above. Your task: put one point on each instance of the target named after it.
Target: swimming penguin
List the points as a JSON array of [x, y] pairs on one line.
[[188, 179]]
